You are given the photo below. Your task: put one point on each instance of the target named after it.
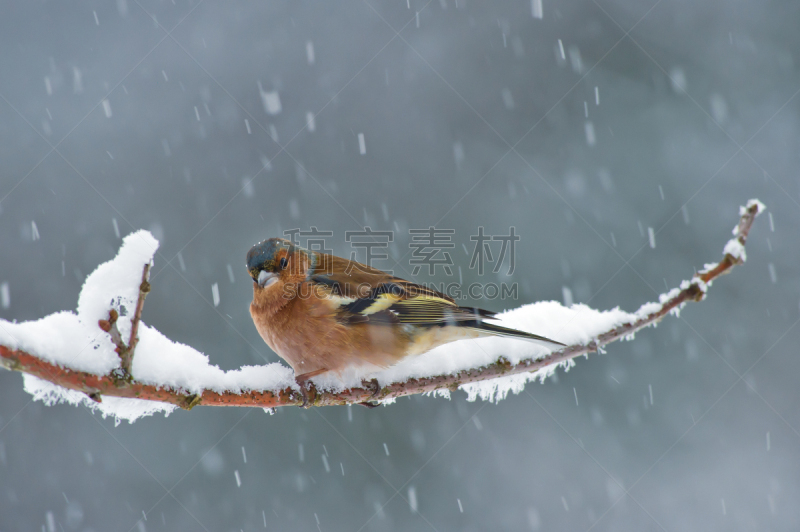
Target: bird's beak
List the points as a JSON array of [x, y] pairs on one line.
[[266, 278]]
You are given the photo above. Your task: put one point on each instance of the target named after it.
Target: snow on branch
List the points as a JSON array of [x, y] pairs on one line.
[[83, 357]]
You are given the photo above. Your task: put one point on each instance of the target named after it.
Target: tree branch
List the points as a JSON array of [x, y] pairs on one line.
[[111, 385]]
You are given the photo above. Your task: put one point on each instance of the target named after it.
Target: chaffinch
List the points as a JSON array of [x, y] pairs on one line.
[[324, 313]]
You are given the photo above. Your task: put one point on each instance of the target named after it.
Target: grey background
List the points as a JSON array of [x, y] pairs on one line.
[[441, 104]]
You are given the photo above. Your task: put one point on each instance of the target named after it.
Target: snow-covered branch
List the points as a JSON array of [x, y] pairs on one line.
[[82, 357]]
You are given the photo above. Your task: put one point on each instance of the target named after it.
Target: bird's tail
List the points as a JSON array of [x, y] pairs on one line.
[[497, 330]]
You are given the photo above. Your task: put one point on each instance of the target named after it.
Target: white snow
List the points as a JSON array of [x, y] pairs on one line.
[[215, 293], [5, 295], [310, 52], [591, 139], [128, 409], [362, 147], [536, 9], [271, 101], [62, 339], [735, 249], [158, 360]]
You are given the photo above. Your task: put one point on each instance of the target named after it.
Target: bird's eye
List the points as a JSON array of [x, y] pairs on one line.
[[283, 263]]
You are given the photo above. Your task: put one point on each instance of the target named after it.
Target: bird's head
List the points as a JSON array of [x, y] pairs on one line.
[[277, 261]]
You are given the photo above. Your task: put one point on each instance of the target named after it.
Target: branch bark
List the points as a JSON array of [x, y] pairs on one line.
[[95, 386]]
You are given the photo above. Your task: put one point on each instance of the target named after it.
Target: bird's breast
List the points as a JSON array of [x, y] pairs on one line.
[[306, 333]]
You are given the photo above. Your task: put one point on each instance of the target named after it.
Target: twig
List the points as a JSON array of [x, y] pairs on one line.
[[110, 326], [144, 289], [125, 352], [95, 385]]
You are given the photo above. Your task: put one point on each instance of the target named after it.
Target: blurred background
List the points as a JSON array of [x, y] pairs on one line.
[[585, 125]]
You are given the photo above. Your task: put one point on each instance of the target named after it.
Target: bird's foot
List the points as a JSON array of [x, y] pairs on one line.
[[375, 388], [307, 389], [308, 392], [304, 394]]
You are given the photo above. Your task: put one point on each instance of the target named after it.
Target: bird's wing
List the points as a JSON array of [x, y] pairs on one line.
[[345, 278], [361, 294], [366, 294]]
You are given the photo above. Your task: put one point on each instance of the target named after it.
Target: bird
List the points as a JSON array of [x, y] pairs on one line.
[[322, 313]]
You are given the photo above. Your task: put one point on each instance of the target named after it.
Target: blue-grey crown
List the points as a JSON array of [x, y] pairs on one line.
[[264, 252]]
